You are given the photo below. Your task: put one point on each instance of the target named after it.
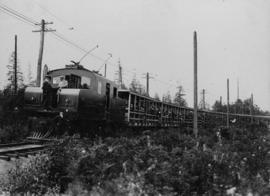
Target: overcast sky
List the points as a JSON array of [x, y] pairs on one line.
[[154, 36]]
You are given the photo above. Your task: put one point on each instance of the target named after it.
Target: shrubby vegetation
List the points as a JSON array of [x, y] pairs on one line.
[[166, 162], [13, 122], [32, 176]]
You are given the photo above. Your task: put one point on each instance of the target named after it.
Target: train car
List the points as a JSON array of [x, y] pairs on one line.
[[88, 98], [144, 111], [91, 101]]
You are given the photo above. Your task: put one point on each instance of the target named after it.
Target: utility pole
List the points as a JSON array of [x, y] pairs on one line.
[[251, 107], [42, 31], [147, 83], [203, 92], [228, 104], [237, 89], [148, 77], [15, 67], [120, 79], [45, 71], [220, 100], [105, 69], [195, 117]]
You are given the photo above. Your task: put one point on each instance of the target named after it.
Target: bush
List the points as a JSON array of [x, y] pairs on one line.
[[13, 122], [163, 162], [31, 176]]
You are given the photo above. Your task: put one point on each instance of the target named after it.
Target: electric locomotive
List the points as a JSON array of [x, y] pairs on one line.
[[88, 101]]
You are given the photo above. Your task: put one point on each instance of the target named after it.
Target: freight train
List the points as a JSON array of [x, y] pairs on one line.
[[92, 102]]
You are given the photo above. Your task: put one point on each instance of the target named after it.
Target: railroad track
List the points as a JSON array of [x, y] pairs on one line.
[[23, 149]]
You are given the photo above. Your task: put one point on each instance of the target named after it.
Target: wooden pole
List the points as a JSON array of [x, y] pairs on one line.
[[251, 107], [15, 67], [195, 113], [120, 80], [147, 83], [238, 89], [39, 64], [106, 61], [220, 100], [228, 104], [105, 70], [203, 99]]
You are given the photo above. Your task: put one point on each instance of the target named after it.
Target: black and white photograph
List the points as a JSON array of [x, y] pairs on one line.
[[135, 97]]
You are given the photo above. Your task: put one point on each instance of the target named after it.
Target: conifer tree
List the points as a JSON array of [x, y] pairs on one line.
[[10, 87]]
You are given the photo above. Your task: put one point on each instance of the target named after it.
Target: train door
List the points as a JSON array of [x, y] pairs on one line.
[[108, 96]]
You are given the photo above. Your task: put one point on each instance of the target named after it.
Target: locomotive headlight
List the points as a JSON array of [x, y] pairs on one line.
[[32, 98]]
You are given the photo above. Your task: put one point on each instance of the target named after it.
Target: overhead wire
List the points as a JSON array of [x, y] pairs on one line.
[[69, 42], [60, 37], [18, 18], [16, 13], [51, 13]]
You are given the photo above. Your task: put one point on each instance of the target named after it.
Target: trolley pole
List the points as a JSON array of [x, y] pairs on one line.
[[195, 114], [39, 65], [228, 104], [15, 67]]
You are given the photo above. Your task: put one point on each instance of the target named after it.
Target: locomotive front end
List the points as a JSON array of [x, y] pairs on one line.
[[64, 101], [68, 100]]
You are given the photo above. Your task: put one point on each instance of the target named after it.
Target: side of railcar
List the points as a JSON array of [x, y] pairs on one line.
[[141, 111], [175, 116], [144, 111]]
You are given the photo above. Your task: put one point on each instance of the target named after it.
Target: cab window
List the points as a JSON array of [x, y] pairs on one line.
[[56, 80], [86, 82], [74, 81]]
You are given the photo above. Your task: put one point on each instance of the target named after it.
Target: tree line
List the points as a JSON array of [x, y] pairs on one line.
[[137, 87], [240, 106]]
